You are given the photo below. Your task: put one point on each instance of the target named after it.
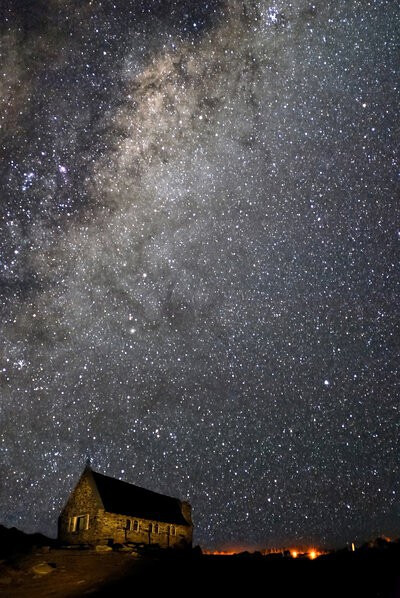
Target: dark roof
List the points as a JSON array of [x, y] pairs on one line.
[[127, 499]]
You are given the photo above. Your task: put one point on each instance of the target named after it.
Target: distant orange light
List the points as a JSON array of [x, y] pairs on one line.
[[220, 552], [294, 553], [312, 554], [228, 552]]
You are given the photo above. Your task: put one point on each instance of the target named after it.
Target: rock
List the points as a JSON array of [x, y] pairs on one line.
[[5, 580], [42, 569], [103, 548], [44, 549], [135, 553]]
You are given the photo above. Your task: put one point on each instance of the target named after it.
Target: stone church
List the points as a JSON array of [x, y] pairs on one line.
[[104, 510]]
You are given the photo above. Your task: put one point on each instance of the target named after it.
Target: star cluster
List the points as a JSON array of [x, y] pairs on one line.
[[199, 232]]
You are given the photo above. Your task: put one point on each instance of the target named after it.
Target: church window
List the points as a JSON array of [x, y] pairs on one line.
[[132, 525], [79, 523]]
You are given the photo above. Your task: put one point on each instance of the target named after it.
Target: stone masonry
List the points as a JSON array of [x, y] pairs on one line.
[[85, 520]]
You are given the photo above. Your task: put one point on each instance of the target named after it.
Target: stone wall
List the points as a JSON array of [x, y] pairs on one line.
[[114, 527], [186, 510], [84, 501]]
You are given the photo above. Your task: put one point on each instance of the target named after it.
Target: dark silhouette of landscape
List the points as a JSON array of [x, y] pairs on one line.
[[37, 566]]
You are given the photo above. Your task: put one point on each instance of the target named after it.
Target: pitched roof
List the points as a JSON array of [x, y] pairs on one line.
[[126, 499]]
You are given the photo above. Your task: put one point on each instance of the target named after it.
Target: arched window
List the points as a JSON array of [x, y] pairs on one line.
[[132, 525]]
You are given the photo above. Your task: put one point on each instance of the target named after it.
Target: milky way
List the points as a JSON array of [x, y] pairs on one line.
[[199, 261]]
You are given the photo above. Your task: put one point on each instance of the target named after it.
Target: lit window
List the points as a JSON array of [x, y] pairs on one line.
[[79, 523], [172, 530], [132, 526], [154, 528]]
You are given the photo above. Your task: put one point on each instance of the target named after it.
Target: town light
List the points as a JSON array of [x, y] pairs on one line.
[[312, 554]]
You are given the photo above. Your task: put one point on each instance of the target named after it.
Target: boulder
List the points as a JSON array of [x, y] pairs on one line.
[[42, 569], [103, 548]]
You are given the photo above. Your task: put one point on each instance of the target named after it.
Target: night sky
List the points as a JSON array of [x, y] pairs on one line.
[[199, 261]]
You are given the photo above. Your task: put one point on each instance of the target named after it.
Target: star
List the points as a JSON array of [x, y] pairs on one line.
[[198, 262]]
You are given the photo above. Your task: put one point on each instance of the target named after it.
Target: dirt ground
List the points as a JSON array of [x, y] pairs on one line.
[[72, 573]]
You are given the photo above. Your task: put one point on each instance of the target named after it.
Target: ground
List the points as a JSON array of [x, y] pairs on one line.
[[74, 573], [373, 573]]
